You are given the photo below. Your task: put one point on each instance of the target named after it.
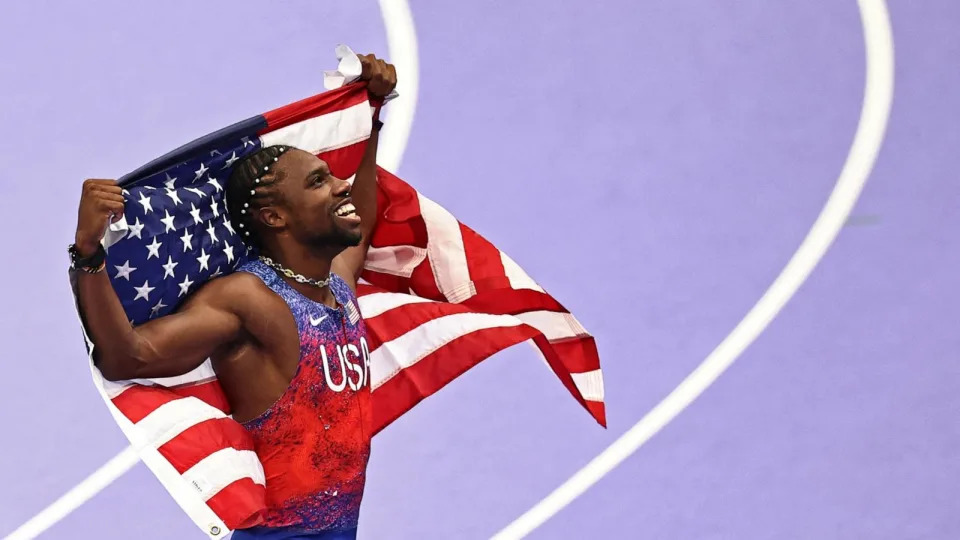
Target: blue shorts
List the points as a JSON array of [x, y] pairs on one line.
[[270, 533]]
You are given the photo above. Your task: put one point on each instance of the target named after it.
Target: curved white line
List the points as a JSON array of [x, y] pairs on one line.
[[878, 97], [402, 44], [81, 493]]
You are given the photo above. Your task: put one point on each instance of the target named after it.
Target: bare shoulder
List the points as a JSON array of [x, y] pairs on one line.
[[238, 293]]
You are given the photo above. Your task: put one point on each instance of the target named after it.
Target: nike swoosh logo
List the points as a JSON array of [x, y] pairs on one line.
[[316, 322]]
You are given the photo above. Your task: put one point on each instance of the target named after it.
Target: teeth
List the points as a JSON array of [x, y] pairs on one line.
[[346, 209]]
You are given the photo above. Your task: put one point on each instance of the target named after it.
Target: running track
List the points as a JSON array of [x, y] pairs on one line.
[[655, 165]]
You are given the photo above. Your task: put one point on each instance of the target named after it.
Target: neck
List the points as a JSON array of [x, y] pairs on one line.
[[309, 263]]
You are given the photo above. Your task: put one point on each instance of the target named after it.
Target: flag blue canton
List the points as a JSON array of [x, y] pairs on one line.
[[180, 234]]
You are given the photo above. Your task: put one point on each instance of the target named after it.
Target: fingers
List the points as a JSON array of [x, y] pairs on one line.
[[113, 209], [381, 77], [366, 64]]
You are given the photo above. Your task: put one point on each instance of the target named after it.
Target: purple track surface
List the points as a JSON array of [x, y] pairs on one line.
[[653, 164]]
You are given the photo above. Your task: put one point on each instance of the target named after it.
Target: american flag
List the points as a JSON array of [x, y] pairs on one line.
[[436, 296]]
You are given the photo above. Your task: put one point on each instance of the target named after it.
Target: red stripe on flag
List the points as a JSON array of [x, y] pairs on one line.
[[396, 322], [598, 411], [138, 401], [483, 259], [424, 283], [398, 207], [201, 440], [579, 355], [241, 504], [560, 368], [411, 385], [209, 392], [507, 301], [327, 102], [345, 161], [386, 282]]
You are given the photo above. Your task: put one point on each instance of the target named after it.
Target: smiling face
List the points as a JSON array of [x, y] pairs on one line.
[[311, 204]]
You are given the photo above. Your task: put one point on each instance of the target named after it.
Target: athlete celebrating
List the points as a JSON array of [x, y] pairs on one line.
[[284, 333]]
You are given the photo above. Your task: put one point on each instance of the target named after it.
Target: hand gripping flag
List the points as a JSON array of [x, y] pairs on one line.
[[437, 297]]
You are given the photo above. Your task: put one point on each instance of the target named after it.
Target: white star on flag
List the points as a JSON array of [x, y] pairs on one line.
[[231, 160], [160, 305], [145, 202], [217, 273], [168, 268], [154, 248], [136, 229], [216, 185], [168, 221], [195, 212], [196, 192], [229, 251], [187, 239], [212, 232], [124, 271], [172, 193], [185, 286], [215, 207], [201, 171], [229, 226], [144, 291], [171, 181], [202, 259]]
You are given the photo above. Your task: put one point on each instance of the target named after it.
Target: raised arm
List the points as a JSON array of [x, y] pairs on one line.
[[165, 347], [382, 79]]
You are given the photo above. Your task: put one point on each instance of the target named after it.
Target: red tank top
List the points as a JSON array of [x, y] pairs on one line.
[[314, 442]]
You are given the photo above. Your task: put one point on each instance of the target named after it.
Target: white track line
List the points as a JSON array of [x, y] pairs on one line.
[[71, 500], [402, 44], [878, 98]]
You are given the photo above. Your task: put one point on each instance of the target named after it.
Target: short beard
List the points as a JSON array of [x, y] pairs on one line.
[[340, 238]]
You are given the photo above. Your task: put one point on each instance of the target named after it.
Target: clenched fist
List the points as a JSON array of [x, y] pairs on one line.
[[382, 76], [101, 203]]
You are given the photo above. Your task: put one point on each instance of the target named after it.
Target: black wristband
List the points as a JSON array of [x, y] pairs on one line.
[[91, 264]]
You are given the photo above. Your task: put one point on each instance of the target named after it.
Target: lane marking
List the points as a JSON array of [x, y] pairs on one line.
[[81, 493], [875, 113]]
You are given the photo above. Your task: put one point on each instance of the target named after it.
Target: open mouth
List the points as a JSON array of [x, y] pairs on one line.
[[346, 209], [347, 212]]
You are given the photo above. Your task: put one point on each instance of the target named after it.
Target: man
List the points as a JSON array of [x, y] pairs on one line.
[[283, 332]]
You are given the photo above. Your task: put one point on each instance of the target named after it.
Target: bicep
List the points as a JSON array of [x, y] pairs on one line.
[[349, 264], [178, 343]]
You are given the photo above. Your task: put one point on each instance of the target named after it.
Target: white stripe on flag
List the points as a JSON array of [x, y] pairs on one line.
[[222, 468], [114, 389], [517, 277], [325, 132], [590, 384], [374, 304], [172, 418], [448, 257], [400, 353], [554, 325], [394, 260]]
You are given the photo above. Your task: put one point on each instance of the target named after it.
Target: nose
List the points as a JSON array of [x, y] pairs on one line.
[[341, 188]]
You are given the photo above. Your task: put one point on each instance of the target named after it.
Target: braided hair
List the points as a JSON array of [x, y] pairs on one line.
[[252, 186]]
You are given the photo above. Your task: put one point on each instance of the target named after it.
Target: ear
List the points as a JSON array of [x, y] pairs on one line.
[[272, 217]]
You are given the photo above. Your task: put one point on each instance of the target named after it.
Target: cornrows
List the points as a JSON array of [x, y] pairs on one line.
[[252, 185]]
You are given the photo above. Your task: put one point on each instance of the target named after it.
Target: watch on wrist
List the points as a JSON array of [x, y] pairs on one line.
[[93, 264]]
